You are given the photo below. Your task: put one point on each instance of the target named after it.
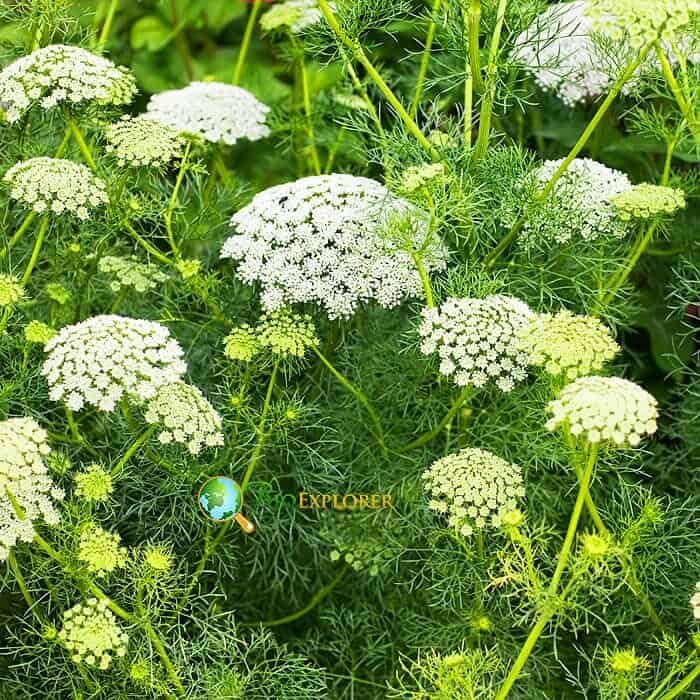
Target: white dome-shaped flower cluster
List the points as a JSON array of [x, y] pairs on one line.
[[578, 207], [101, 551], [474, 489], [567, 344], [215, 111], [476, 340], [323, 239], [56, 185], [186, 416], [295, 14], [59, 74], [92, 635], [143, 141], [130, 272], [605, 409], [106, 358], [24, 482]]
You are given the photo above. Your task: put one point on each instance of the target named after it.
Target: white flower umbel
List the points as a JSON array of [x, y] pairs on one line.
[[579, 206], [323, 239], [474, 489], [605, 409], [186, 416], [57, 186], [695, 602], [476, 340], [27, 492], [62, 75], [295, 14], [143, 141], [215, 111], [106, 358], [130, 272]]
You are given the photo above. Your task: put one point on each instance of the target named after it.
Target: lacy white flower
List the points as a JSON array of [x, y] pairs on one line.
[[187, 417], [215, 111], [474, 489], [646, 200], [417, 176], [322, 239], [476, 340], [143, 141], [56, 185], [285, 333], [605, 409], [130, 272], [295, 14], [94, 484], [38, 332], [11, 291], [27, 492], [91, 634], [101, 551], [579, 206], [60, 74], [567, 344], [695, 601], [106, 358], [242, 344]]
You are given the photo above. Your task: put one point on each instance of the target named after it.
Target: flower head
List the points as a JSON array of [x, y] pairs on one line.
[[295, 14], [38, 332], [695, 601], [143, 142], [416, 176], [130, 272], [158, 559], [321, 239], [101, 551], [476, 340], [27, 492], [567, 344], [91, 634], [474, 489], [626, 661], [646, 200], [215, 111], [62, 75], [287, 334], [605, 409], [56, 185], [188, 268], [242, 344], [106, 358], [94, 484], [11, 291], [579, 206], [186, 416], [57, 292]]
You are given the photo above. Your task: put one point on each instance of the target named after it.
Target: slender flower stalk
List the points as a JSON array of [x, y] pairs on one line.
[[133, 449], [82, 144], [173, 201], [38, 244], [107, 26], [473, 14], [245, 43], [308, 114], [425, 59], [679, 687]]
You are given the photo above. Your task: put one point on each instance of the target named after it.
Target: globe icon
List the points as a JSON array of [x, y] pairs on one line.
[[220, 498]]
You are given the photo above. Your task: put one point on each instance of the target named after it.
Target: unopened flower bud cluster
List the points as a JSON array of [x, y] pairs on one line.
[[242, 344], [216, 112], [91, 634], [605, 409], [101, 551], [474, 489], [647, 200], [477, 340], [56, 185], [27, 492], [143, 142], [130, 272], [186, 416], [38, 332], [99, 361], [11, 291], [93, 484], [325, 240], [295, 14], [418, 176], [567, 345], [62, 75]]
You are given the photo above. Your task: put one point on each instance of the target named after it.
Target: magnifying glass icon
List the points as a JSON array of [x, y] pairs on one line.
[[220, 498]]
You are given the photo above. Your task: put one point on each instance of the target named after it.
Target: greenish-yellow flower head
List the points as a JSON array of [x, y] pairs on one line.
[[567, 345], [38, 332], [418, 176], [189, 268], [158, 559], [287, 334], [242, 344], [646, 200], [101, 551], [11, 291], [131, 273], [296, 15], [143, 142], [58, 293], [627, 661], [596, 546], [94, 484]]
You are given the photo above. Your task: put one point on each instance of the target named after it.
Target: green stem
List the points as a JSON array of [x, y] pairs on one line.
[[245, 44], [38, 243], [173, 201], [317, 598], [82, 144], [428, 436], [378, 431], [424, 278], [681, 685], [14, 567], [18, 234], [306, 97], [148, 247], [107, 26], [474, 14], [135, 446], [360, 56], [425, 59]]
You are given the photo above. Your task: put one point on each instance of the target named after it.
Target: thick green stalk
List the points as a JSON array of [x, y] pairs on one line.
[[82, 144], [38, 244], [135, 447], [474, 15], [360, 56], [425, 59], [173, 201], [245, 44], [107, 26], [682, 685], [148, 247], [18, 234], [424, 278], [14, 567]]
